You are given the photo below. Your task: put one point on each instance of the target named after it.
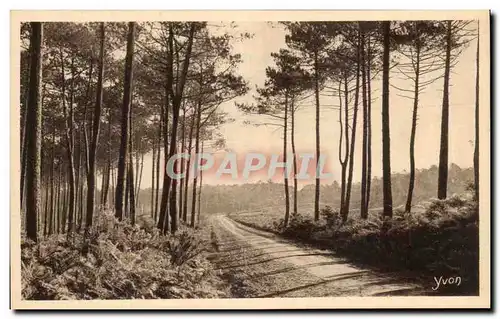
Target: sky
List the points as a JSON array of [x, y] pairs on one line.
[[243, 138]]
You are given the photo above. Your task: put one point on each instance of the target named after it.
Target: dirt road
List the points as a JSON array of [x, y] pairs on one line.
[[260, 264]]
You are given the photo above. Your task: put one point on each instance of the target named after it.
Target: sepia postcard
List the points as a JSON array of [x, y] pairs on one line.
[[250, 160]]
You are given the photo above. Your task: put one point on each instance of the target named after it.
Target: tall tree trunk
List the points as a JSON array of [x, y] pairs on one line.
[[163, 224], [136, 179], [106, 183], [183, 147], [64, 211], [353, 137], [163, 220], [476, 144], [95, 135], [364, 151], [103, 186], [344, 138], [69, 125], [81, 182], [176, 104], [158, 157], [33, 132], [58, 217], [188, 165], [411, 185], [139, 180], [46, 210], [78, 170], [285, 172], [127, 189], [51, 213], [369, 128], [316, 93], [24, 158], [294, 153], [130, 182], [127, 97], [24, 140], [195, 179], [153, 161], [386, 137], [199, 189], [113, 183], [443, 151]]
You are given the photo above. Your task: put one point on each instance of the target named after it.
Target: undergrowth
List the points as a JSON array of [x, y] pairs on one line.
[[118, 261], [440, 240]]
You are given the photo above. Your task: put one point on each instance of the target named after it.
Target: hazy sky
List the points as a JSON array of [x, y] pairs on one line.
[[242, 138]]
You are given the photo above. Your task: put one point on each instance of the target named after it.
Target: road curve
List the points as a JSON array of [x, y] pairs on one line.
[[280, 268]]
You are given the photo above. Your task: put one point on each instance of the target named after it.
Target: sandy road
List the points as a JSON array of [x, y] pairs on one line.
[[279, 268]]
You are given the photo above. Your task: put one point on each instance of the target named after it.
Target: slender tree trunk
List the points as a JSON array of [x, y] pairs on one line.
[[364, 151], [136, 179], [285, 172], [176, 103], [476, 144], [316, 93], [292, 139], [51, 213], [411, 185], [58, 219], [369, 128], [106, 183], [139, 178], [153, 161], [174, 182], [353, 138], [46, 206], [69, 124], [163, 220], [127, 190], [183, 146], [130, 182], [80, 203], [195, 179], [188, 165], [199, 189], [78, 165], [95, 135], [127, 97], [46, 210], [81, 182], [33, 132], [113, 188], [386, 142], [163, 223], [443, 151], [344, 138], [64, 212], [24, 140], [24, 158], [158, 157], [108, 177]]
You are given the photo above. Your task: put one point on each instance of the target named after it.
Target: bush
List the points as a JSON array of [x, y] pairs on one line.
[[299, 226], [118, 261], [331, 217], [442, 239], [184, 246]]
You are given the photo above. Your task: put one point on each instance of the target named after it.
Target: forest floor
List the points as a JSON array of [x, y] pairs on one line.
[[261, 264]]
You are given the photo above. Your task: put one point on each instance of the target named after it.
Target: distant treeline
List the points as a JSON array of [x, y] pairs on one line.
[[254, 196]]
